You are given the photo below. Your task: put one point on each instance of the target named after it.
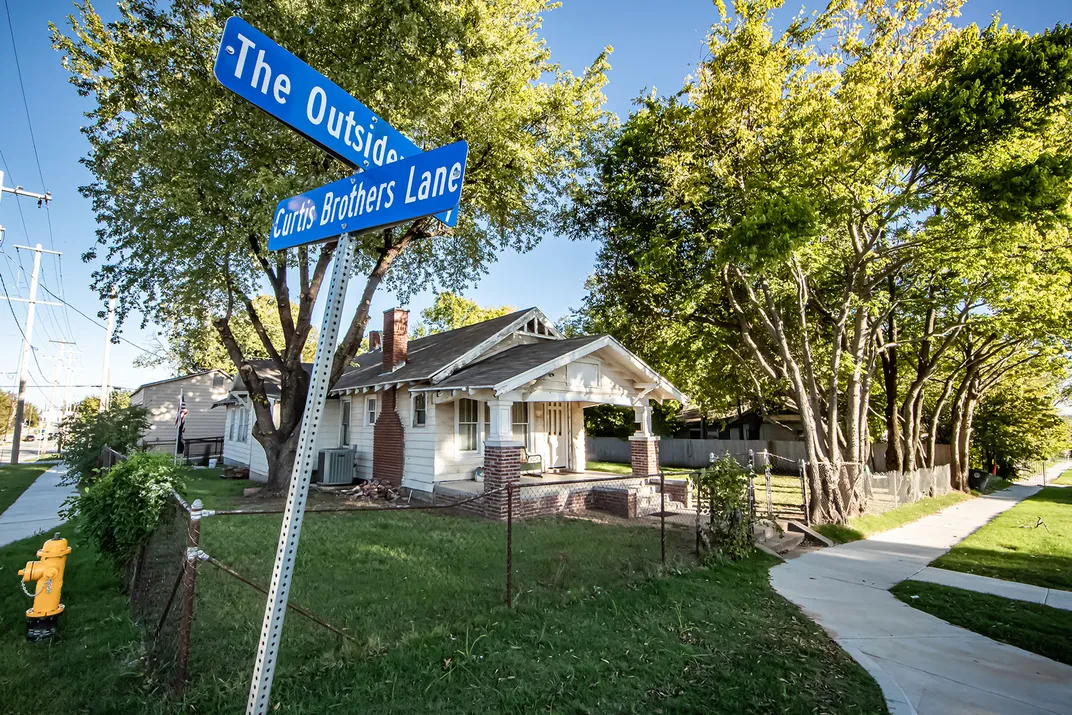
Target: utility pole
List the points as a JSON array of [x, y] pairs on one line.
[[66, 346], [42, 199], [24, 358], [105, 389]]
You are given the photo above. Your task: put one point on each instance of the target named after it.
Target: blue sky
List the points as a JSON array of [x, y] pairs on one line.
[[656, 44]]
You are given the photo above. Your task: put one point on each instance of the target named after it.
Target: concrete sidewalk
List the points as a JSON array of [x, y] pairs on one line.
[[37, 509], [923, 664], [1051, 597]]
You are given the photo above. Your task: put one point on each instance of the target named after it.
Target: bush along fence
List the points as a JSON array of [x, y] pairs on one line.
[[528, 544]]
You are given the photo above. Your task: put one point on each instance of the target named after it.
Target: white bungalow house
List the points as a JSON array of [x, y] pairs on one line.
[[461, 411]]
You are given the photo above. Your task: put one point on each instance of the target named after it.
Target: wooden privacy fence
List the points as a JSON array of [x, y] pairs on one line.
[[695, 453]]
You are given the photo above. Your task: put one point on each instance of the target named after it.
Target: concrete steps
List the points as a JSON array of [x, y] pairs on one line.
[[773, 539]]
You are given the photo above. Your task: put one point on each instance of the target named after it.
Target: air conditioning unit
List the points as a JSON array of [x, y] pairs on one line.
[[336, 466]]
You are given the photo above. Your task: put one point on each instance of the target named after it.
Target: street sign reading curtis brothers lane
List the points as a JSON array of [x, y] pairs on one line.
[[254, 67], [383, 196]]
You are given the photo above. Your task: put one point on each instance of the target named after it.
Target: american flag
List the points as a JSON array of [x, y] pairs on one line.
[[180, 423]]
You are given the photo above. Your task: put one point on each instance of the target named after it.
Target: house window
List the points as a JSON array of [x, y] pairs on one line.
[[467, 425], [240, 424], [519, 419], [231, 415], [370, 411], [344, 438], [217, 380], [420, 409]]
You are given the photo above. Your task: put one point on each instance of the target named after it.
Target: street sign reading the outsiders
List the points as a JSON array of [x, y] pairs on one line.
[[254, 67], [383, 196]]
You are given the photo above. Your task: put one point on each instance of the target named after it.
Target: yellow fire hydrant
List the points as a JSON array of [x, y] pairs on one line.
[[41, 620]]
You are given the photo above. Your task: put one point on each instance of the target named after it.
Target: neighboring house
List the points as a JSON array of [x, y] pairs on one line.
[[422, 413], [201, 391], [751, 424]]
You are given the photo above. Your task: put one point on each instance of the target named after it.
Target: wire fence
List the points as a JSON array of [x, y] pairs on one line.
[[366, 552]]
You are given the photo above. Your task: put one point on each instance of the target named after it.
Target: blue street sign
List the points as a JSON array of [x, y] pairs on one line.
[[383, 196], [254, 67]]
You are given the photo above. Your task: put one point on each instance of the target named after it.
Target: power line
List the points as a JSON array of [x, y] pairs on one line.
[[3, 284], [22, 86], [94, 321]]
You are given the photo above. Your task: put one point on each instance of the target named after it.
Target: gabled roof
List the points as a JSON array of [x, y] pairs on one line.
[[139, 388], [435, 356], [512, 362], [521, 364]]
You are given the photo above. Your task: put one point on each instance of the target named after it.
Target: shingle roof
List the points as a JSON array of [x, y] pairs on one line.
[[270, 374], [514, 361], [425, 356], [139, 388]]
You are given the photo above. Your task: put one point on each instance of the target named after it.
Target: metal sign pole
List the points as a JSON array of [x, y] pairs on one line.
[[268, 650]]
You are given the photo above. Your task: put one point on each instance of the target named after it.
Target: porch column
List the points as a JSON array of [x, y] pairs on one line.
[[643, 445], [502, 458]]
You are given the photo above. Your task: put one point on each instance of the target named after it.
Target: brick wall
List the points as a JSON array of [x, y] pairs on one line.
[[388, 443], [395, 338], [644, 455], [501, 465]]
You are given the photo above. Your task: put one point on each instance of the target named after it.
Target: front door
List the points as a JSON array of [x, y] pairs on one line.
[[557, 431]]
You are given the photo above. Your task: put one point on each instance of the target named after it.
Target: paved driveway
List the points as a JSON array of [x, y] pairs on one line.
[[923, 664]]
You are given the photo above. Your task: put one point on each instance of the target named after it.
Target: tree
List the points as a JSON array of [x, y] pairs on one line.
[[185, 175], [761, 216], [85, 435], [1018, 421], [192, 345], [450, 311], [90, 405], [7, 410]]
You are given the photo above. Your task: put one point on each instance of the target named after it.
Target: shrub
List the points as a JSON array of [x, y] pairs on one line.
[[123, 506], [85, 435], [722, 489]]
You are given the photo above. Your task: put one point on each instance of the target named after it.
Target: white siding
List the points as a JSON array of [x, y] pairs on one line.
[[361, 433], [449, 462], [162, 401], [247, 452], [419, 470]]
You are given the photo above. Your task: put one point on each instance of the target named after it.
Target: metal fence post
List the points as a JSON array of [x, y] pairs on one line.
[[767, 479], [751, 486], [509, 544], [699, 511], [662, 518], [804, 491], [189, 584]]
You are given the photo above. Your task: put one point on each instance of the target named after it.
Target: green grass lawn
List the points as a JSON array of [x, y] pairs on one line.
[[1017, 546], [597, 626], [864, 526], [15, 479], [1065, 478], [1033, 627], [612, 467], [212, 489]]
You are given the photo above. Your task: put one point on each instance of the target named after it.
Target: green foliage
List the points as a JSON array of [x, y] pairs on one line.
[[723, 489], [193, 344], [1018, 422], [609, 421], [186, 174], [85, 435], [90, 405], [450, 311], [120, 509], [7, 411]]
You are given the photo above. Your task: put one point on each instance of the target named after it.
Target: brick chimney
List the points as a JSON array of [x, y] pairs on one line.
[[374, 340], [395, 338]]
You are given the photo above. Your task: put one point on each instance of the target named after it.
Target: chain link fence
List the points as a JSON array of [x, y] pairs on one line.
[[375, 570]]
